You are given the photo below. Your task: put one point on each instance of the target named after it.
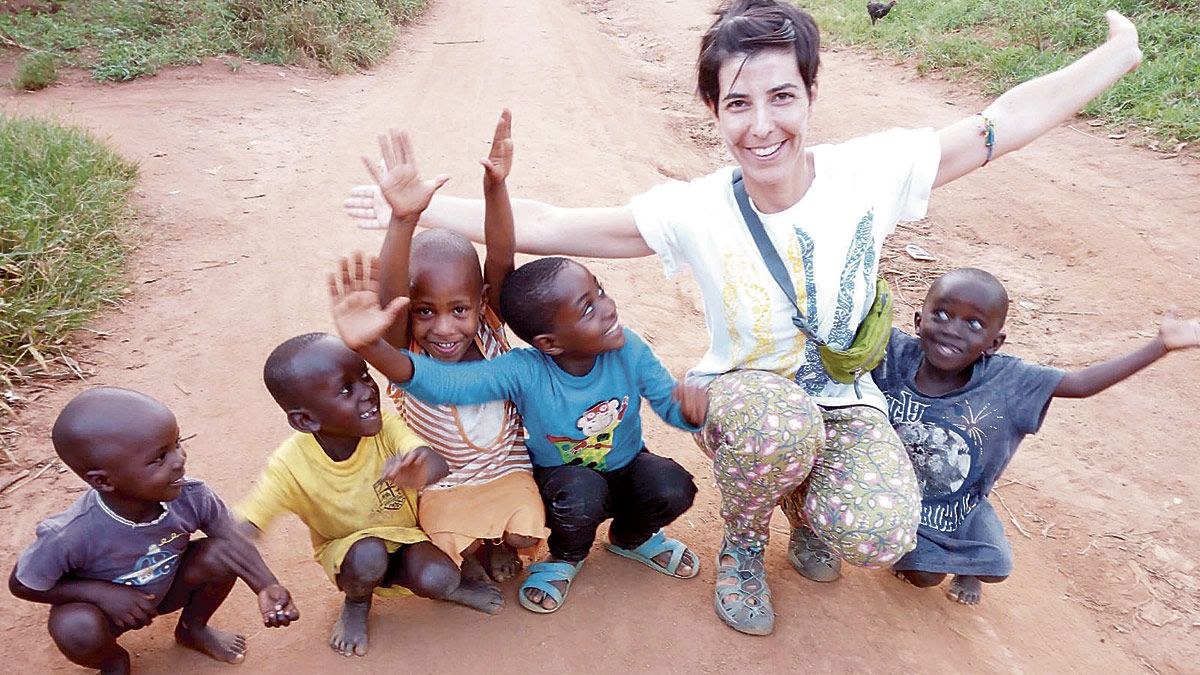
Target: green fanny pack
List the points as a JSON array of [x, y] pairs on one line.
[[870, 342]]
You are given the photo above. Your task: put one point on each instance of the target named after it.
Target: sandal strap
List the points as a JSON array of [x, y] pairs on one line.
[[657, 544], [750, 573]]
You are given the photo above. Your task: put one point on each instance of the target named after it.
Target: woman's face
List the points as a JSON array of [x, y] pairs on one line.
[[763, 113]]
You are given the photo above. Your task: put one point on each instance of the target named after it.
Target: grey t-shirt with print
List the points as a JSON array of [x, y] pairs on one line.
[[88, 541]]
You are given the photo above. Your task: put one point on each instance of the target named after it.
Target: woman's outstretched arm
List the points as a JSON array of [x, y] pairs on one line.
[[1032, 108]]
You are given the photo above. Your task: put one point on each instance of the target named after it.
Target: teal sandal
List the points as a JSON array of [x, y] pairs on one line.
[[656, 545], [751, 612], [540, 577]]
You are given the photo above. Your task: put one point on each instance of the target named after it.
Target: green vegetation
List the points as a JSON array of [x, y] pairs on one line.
[[37, 70], [999, 43], [123, 39], [64, 212]]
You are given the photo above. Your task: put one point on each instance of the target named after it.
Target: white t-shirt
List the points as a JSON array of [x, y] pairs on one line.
[[830, 240]]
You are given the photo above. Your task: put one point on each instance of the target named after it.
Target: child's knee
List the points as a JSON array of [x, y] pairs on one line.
[[580, 499], [676, 494], [435, 579], [520, 540], [365, 564], [923, 579], [992, 579], [80, 629], [203, 564]]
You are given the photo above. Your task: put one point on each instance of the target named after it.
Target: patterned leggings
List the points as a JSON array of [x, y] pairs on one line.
[[843, 470]]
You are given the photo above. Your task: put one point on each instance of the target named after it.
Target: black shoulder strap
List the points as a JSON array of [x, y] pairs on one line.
[[770, 256]]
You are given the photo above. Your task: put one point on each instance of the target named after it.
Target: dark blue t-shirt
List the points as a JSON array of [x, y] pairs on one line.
[[959, 443]]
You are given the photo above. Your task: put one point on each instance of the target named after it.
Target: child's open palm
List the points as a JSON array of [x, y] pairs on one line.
[[404, 191], [499, 160], [1177, 333], [359, 319]]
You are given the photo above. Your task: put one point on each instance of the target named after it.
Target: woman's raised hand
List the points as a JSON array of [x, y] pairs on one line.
[[367, 207], [1121, 31], [396, 176]]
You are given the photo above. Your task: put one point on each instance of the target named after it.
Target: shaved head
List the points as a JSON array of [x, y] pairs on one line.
[[440, 248], [99, 423], [979, 280], [285, 368]]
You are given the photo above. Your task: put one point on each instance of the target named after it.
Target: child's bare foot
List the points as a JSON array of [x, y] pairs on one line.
[[965, 589], [503, 563], [349, 636], [219, 644], [472, 566], [478, 595]]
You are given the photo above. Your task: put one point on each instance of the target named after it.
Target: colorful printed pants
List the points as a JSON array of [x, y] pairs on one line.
[[843, 471]]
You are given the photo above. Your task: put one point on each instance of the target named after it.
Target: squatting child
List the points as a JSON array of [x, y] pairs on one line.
[[488, 506], [961, 409], [350, 474], [122, 554], [579, 391]]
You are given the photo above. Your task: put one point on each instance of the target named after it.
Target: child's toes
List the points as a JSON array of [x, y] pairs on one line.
[[965, 590]]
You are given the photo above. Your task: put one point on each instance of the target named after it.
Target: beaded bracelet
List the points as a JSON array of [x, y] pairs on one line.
[[989, 137]]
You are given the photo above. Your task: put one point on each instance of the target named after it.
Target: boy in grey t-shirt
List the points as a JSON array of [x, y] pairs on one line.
[[122, 553], [961, 409]]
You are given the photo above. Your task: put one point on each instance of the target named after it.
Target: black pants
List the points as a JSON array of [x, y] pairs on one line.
[[640, 497]]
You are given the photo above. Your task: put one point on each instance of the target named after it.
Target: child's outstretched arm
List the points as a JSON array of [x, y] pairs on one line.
[[362, 322], [1173, 333], [238, 552], [406, 196], [498, 232]]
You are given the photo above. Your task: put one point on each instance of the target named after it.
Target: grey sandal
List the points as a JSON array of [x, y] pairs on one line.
[[751, 612], [811, 557]]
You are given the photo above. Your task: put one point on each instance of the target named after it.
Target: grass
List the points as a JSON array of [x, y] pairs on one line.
[[999, 43], [64, 214], [36, 70], [124, 39]]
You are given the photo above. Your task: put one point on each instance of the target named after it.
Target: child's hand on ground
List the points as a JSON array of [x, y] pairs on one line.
[[276, 606], [499, 160], [127, 607], [1177, 333], [356, 312], [693, 402], [367, 207], [410, 470], [396, 175]]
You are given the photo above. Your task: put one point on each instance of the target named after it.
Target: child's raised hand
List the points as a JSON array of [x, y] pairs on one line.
[[397, 178], [276, 606], [499, 160], [410, 470], [356, 312], [1177, 333], [693, 402], [367, 207]]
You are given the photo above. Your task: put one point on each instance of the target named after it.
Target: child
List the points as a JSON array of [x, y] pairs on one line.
[[122, 554], [489, 494], [579, 392], [350, 474], [961, 410]]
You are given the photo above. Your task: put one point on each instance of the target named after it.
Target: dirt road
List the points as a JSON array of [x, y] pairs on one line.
[[242, 178]]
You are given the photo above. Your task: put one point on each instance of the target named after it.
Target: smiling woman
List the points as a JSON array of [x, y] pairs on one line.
[[780, 429]]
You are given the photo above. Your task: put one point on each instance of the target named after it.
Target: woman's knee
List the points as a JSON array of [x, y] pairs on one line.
[[764, 416], [860, 539]]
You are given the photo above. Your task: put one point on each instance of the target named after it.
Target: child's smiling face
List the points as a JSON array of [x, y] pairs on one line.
[[585, 321], [336, 391], [148, 465], [960, 321], [446, 302]]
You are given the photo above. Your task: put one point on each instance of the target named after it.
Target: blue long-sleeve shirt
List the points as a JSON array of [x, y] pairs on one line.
[[593, 420]]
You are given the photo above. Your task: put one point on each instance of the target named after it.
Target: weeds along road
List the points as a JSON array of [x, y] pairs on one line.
[[242, 178]]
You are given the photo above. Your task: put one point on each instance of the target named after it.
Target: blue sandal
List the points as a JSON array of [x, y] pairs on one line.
[[656, 545], [540, 577], [744, 576]]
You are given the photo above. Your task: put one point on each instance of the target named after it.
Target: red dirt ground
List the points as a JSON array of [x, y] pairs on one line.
[[242, 179]]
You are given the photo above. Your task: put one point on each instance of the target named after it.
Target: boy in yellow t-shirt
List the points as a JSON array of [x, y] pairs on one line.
[[351, 475]]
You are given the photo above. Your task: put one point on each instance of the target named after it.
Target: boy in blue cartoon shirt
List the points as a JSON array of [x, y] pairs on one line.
[[961, 409], [579, 392]]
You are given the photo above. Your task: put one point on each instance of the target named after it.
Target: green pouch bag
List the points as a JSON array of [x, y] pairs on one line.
[[871, 339], [870, 342]]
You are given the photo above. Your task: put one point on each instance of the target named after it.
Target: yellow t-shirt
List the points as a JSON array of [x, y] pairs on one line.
[[340, 502]]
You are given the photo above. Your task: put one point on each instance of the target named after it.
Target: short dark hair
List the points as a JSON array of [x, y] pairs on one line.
[[279, 372], [984, 279], [750, 26], [526, 297]]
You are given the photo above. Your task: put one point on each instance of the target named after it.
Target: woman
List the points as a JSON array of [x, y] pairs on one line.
[[780, 430]]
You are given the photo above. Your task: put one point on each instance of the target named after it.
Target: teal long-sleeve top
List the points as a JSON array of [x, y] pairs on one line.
[[593, 420]]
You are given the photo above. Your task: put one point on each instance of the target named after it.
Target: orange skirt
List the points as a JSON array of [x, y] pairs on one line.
[[455, 517]]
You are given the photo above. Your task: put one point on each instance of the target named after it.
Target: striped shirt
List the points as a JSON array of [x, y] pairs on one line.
[[480, 442]]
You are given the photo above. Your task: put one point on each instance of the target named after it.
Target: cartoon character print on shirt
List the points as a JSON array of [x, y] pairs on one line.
[[155, 565], [860, 267], [942, 454], [598, 424]]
